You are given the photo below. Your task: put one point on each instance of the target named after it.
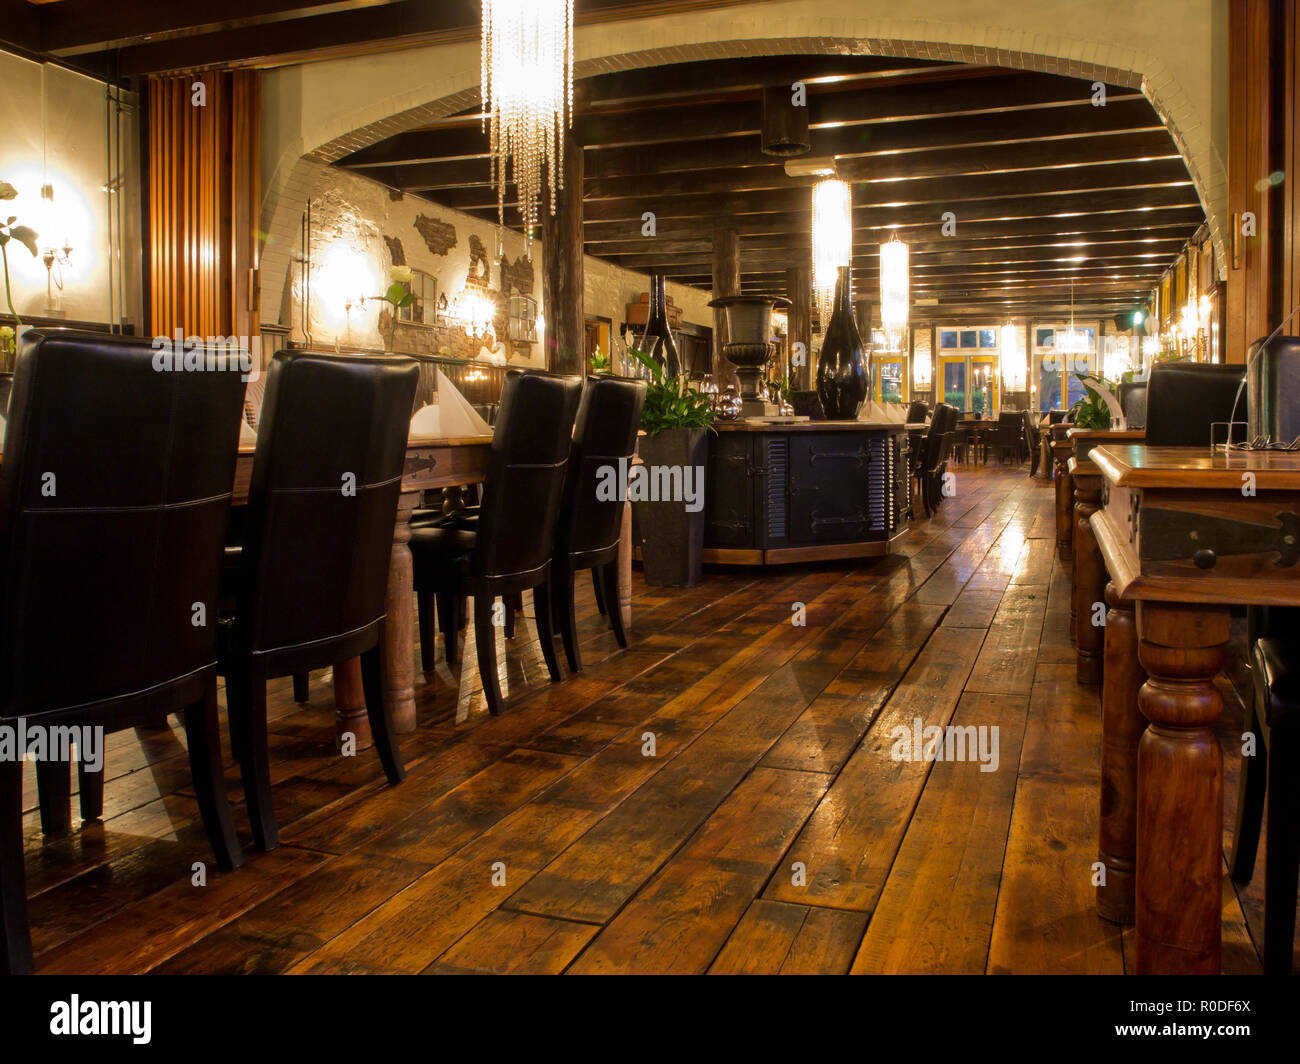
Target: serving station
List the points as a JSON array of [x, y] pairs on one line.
[[783, 492]]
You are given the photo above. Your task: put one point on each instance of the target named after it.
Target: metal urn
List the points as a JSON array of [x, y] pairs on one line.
[[749, 328]]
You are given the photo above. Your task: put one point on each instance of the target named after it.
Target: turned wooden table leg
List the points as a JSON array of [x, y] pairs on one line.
[[350, 703], [625, 567], [1180, 789], [1122, 725], [1089, 583], [400, 652], [1064, 513]]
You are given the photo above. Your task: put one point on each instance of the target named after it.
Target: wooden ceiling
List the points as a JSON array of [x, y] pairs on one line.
[[1047, 188], [126, 38]]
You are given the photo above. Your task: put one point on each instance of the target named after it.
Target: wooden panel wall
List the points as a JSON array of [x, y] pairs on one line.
[[1262, 268], [203, 189]]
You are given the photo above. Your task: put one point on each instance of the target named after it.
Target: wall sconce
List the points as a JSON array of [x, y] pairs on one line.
[[475, 313], [54, 257]]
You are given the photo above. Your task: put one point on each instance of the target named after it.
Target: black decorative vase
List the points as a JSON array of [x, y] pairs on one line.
[[657, 340], [843, 369]]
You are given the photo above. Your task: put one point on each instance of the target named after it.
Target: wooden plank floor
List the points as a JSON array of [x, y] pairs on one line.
[[722, 797]]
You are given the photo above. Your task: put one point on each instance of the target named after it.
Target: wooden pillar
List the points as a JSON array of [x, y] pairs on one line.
[[1180, 789], [798, 289], [1122, 725], [726, 282], [562, 268]]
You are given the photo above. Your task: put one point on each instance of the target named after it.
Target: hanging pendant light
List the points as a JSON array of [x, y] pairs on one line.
[[894, 290], [832, 241], [527, 85]]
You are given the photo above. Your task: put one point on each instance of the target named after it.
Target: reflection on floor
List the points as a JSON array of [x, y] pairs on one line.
[[724, 796]]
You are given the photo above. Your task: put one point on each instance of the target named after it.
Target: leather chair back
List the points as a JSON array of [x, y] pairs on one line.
[[114, 496], [1185, 398], [525, 474], [604, 438], [1133, 401], [917, 412], [331, 448]]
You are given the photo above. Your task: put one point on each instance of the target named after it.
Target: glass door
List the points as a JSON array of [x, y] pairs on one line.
[[984, 386], [889, 380], [953, 373]]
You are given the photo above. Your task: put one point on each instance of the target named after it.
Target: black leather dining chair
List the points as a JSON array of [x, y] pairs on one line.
[[1185, 398], [102, 449], [1132, 397], [310, 579], [917, 412], [1273, 772], [1033, 440], [1008, 436], [587, 531], [508, 551], [936, 447]]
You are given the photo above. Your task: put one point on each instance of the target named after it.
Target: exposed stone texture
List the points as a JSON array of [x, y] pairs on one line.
[[518, 276], [439, 236], [395, 250], [480, 269]]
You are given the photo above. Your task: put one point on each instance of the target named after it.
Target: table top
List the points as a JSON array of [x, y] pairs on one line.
[[246, 450], [1107, 434], [848, 425], [1137, 465]]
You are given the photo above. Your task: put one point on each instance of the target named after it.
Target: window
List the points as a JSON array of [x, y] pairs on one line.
[[422, 310], [523, 319], [970, 338], [989, 338], [947, 337]]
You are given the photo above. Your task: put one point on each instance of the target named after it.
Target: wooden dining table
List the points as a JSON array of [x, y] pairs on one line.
[[1185, 534], [431, 462]]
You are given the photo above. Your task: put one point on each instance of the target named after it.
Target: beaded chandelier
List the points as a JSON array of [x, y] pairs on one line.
[[527, 80]]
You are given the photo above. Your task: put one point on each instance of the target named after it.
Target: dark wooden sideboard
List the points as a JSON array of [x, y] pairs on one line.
[[805, 491]]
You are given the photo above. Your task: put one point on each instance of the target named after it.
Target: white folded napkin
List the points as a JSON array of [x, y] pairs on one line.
[[426, 421], [459, 418]]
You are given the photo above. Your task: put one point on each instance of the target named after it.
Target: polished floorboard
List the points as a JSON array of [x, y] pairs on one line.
[[721, 797]]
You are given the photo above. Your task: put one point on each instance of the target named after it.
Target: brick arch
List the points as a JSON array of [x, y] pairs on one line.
[[372, 121]]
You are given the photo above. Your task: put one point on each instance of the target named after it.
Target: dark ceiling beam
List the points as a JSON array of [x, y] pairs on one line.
[[858, 120], [946, 162], [930, 250], [404, 24], [73, 27], [1175, 221]]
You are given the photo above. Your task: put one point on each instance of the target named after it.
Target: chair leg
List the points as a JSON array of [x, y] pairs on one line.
[[562, 579], [542, 607], [1282, 860], [246, 699], [449, 623], [204, 740], [514, 605], [425, 609], [301, 687], [609, 580], [600, 592], [1250, 805], [91, 786], [54, 791], [379, 712], [15, 938], [485, 644]]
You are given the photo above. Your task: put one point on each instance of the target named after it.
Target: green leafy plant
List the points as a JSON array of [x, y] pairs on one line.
[[670, 402], [1090, 411], [599, 362], [10, 231], [399, 295]]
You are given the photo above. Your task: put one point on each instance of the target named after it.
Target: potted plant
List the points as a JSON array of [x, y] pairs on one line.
[[26, 237], [1092, 411], [676, 420]]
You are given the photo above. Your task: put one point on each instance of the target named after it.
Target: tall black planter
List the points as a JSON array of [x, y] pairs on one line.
[[657, 340], [672, 543], [843, 372]]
